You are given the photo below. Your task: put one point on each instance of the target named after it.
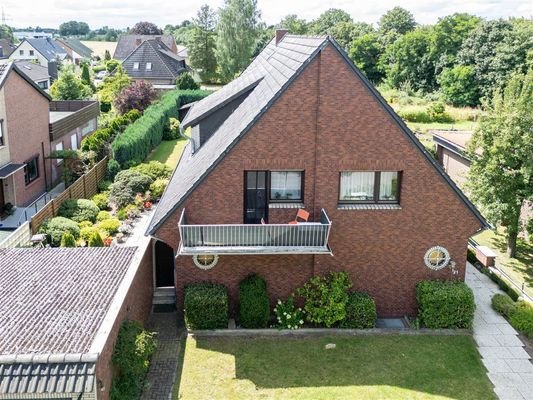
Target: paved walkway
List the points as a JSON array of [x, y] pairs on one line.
[[509, 366], [163, 367]]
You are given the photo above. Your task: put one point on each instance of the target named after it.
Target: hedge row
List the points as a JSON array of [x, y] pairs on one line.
[[133, 145], [519, 314]]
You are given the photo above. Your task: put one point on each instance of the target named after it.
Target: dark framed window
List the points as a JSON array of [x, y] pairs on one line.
[[31, 52], [31, 170], [43, 84], [370, 187], [286, 186], [1, 132]]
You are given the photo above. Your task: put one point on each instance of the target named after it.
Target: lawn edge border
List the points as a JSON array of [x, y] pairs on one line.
[[314, 332]]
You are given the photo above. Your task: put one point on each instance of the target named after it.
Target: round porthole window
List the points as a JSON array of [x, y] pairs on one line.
[[437, 258], [205, 261]]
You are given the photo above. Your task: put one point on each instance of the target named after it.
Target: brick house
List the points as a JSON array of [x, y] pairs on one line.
[[60, 313], [302, 128], [28, 137]]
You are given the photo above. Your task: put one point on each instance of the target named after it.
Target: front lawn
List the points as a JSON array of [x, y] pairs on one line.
[[377, 367], [168, 152], [520, 269]]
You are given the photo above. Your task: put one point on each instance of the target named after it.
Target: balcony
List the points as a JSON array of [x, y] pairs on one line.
[[301, 238]]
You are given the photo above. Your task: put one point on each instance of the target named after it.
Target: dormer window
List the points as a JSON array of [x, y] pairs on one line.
[[135, 66], [148, 66]]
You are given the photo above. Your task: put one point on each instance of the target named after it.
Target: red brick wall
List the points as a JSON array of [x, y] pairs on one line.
[[26, 123], [137, 307], [327, 122]]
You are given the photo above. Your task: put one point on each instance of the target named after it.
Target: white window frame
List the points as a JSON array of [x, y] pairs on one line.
[[74, 142], [135, 66], [148, 66], [59, 147]]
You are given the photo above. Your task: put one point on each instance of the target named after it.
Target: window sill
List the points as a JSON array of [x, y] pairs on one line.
[[369, 207], [286, 205]]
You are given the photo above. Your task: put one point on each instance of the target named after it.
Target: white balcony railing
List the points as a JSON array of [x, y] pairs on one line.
[[301, 238]]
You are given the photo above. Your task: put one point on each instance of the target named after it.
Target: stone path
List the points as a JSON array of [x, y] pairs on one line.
[[163, 367], [509, 366]]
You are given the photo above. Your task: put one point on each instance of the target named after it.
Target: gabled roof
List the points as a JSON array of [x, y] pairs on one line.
[[35, 72], [48, 48], [7, 67], [127, 43], [77, 46], [278, 65], [165, 63]]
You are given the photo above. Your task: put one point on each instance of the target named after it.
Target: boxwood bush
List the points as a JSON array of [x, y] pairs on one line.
[[126, 185], [254, 306], [54, 229], [503, 304], [154, 169], [206, 306], [134, 144], [79, 210], [522, 318], [445, 304], [360, 311]]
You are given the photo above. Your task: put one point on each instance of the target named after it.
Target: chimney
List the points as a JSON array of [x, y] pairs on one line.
[[138, 42], [280, 33]]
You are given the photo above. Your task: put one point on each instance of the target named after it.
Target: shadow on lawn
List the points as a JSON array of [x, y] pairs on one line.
[[441, 365], [524, 255]]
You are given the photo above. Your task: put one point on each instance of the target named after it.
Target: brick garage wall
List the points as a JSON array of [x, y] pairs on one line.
[[137, 307], [327, 122]]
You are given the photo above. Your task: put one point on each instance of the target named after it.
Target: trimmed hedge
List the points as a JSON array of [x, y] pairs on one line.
[[79, 210], [254, 306], [133, 145], [54, 229], [445, 304], [513, 294], [503, 304], [206, 306], [522, 319], [360, 311]]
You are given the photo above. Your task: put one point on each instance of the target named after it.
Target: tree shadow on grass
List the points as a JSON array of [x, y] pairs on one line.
[[523, 262], [439, 365]]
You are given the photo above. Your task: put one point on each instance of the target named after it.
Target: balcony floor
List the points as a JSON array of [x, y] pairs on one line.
[[258, 250]]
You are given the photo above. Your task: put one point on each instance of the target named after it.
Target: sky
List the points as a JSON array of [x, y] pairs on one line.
[[125, 13]]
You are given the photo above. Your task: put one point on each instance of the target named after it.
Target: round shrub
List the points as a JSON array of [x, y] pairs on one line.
[[101, 200], [110, 225], [185, 81], [126, 185], [445, 304], [103, 215], [154, 169], [96, 240], [158, 187], [326, 298], [254, 307], [79, 210], [503, 304], [206, 306], [54, 229], [122, 214], [172, 130], [103, 186], [87, 232], [522, 319], [67, 240], [360, 311], [84, 224]]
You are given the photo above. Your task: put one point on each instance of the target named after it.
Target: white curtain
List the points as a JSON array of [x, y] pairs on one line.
[[285, 185], [357, 186], [388, 185]]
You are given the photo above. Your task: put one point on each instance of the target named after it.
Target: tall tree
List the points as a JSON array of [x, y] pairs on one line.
[[145, 28], [236, 36], [397, 20], [501, 173], [137, 96], [69, 87], [328, 20], [74, 28], [202, 44], [294, 24], [366, 53], [6, 33]]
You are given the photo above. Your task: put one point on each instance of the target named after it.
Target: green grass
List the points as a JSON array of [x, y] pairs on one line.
[[168, 152], [378, 367], [520, 269]]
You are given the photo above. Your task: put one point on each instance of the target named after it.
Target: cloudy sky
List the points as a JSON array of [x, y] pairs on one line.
[[124, 13]]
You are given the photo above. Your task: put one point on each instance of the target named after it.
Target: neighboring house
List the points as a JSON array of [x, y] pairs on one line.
[[36, 73], [451, 153], [31, 126], [6, 48], [75, 49], [45, 52], [61, 310], [128, 43], [302, 128], [155, 63]]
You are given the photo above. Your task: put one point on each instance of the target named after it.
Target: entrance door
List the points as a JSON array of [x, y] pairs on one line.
[[255, 197], [164, 265]]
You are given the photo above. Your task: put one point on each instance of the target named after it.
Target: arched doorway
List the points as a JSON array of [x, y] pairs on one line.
[[164, 264]]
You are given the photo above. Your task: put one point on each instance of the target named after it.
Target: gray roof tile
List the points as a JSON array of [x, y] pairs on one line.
[[48, 48], [127, 43]]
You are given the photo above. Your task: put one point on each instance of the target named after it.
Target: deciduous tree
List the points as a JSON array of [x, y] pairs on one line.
[[324, 24], [397, 20], [366, 52], [137, 96], [294, 24], [145, 28], [69, 87]]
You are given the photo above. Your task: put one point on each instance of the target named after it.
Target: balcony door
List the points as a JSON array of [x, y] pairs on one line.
[[255, 197]]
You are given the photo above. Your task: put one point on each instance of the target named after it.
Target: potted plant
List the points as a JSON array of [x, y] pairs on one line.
[[107, 241], [147, 205]]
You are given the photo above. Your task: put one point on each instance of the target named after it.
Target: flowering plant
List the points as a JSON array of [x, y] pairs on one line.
[[147, 205], [287, 315]]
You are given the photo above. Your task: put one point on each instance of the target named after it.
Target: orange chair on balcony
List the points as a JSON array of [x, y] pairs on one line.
[[301, 216]]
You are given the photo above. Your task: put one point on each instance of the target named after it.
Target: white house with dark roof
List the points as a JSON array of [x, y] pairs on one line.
[[44, 51], [60, 312]]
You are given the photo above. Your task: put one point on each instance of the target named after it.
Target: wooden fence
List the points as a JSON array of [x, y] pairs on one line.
[[83, 188]]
